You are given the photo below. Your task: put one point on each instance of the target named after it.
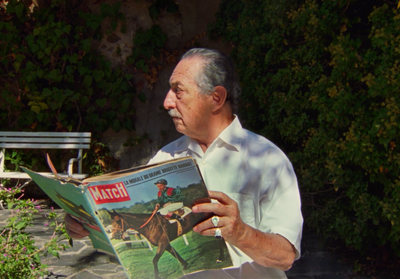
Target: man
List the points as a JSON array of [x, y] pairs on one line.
[[169, 199], [119, 229], [252, 181]]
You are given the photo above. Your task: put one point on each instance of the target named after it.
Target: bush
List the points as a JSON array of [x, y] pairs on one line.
[[52, 79], [19, 255], [321, 79]]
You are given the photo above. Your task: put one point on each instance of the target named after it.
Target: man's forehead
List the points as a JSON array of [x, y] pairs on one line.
[[185, 71]]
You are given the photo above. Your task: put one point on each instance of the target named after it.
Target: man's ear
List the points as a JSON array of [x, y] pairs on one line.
[[219, 96]]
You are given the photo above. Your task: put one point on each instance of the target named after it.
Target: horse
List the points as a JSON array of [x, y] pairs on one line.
[[159, 232]]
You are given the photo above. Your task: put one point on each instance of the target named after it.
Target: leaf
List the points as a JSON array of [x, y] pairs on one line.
[[48, 50], [116, 125], [19, 57], [16, 65], [35, 108], [59, 32], [142, 97], [20, 225], [101, 102], [125, 103], [55, 75], [47, 92], [43, 106], [98, 75], [73, 58], [19, 9], [67, 29], [87, 81], [40, 54], [82, 70], [36, 257], [70, 69], [39, 73], [36, 31], [55, 254], [50, 250]]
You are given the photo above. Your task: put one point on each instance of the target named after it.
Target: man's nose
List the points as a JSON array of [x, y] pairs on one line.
[[169, 102]]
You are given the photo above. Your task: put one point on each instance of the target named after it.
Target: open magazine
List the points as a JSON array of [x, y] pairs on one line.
[[143, 215]]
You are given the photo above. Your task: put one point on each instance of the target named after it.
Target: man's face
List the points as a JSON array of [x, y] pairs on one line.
[[189, 108], [160, 186]]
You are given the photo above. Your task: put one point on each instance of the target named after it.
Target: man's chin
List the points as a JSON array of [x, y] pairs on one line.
[[177, 121], [179, 127]]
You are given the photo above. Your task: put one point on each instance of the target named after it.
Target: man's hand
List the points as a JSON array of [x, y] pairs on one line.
[[74, 228], [231, 225], [267, 249]]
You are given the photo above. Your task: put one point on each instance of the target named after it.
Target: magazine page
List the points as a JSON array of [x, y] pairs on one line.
[[71, 198], [121, 173], [148, 218]]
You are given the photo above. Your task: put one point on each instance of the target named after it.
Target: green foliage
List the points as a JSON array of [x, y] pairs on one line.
[[52, 79], [17, 158], [158, 5], [321, 79], [147, 46], [19, 256], [99, 160]]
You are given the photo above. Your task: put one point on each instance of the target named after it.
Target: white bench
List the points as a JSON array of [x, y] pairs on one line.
[[44, 140]]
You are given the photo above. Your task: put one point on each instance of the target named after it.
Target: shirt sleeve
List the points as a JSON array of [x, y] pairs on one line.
[[281, 208]]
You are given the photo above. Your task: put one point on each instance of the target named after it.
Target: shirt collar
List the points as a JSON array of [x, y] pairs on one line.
[[231, 135]]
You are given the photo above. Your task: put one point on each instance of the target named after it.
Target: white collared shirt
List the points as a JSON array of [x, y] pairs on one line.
[[255, 173]]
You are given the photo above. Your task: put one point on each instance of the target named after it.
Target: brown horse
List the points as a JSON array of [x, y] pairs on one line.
[[159, 232]]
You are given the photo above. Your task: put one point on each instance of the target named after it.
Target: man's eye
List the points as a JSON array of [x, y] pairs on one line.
[[178, 93]]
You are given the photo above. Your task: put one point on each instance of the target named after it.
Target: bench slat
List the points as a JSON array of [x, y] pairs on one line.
[[37, 140], [44, 146], [44, 140], [45, 134]]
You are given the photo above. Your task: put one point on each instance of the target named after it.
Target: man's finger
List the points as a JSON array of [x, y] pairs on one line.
[[77, 235], [215, 208], [221, 197], [74, 228]]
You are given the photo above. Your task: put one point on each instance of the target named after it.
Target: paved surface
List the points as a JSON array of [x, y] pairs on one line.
[[84, 262]]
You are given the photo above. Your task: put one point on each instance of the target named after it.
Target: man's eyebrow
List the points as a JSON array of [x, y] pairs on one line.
[[175, 83]]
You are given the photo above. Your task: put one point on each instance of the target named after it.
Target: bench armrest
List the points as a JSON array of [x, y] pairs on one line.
[[72, 161]]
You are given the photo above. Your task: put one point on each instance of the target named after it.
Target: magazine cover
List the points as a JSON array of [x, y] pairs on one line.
[[144, 215]]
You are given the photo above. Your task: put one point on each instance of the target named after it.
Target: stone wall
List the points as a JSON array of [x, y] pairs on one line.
[[186, 28]]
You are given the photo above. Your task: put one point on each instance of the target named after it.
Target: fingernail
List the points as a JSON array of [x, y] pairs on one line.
[[194, 208]]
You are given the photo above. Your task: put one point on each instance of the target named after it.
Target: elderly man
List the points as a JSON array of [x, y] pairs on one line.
[[257, 206]]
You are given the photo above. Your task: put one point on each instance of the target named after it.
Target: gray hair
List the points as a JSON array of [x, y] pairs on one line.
[[218, 70]]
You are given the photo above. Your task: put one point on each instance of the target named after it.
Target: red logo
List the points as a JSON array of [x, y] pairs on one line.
[[109, 193]]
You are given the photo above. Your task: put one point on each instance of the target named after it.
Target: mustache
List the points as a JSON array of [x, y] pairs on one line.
[[174, 113]]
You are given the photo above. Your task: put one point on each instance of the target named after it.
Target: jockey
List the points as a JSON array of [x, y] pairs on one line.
[[169, 199]]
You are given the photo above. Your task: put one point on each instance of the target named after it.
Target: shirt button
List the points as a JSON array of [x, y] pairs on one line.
[[204, 162]]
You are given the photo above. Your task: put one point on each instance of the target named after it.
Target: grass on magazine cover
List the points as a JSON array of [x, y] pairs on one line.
[[138, 259]]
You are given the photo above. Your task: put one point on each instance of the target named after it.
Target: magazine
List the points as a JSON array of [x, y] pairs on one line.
[[143, 216]]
